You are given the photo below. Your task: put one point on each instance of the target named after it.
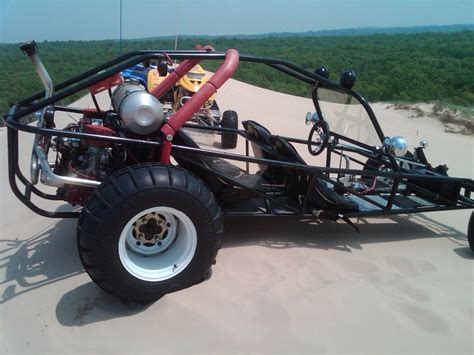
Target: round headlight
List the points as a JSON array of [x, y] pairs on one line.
[[398, 146]]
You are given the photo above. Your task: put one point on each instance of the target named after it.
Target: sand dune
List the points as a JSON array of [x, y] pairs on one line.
[[404, 284]]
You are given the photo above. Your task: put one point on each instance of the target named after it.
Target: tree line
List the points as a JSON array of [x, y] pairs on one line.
[[421, 67]]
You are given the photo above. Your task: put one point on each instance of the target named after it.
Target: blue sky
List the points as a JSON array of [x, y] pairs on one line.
[[99, 19]]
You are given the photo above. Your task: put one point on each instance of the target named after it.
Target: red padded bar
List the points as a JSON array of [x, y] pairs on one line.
[[173, 77], [223, 73], [191, 106], [105, 84], [226, 70], [165, 152]]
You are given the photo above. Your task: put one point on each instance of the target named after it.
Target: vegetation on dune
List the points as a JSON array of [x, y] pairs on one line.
[[404, 67]]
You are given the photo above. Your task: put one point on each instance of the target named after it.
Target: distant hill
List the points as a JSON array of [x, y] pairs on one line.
[[363, 31], [415, 67], [359, 31]]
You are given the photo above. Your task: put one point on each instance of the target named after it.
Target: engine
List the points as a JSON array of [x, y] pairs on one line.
[[85, 158], [137, 114]]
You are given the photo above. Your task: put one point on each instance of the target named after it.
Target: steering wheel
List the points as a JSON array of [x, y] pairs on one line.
[[318, 137]]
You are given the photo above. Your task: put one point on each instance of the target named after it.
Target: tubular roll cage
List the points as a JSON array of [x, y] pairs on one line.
[[115, 66]]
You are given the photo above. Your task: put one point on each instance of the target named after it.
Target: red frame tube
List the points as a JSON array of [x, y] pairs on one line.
[[173, 77], [185, 113]]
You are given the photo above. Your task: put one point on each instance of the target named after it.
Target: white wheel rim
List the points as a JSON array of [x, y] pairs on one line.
[[168, 250]]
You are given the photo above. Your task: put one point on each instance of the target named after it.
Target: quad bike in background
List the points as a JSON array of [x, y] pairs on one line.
[[151, 201], [209, 114], [138, 73]]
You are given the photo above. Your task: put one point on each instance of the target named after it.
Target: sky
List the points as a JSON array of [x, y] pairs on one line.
[[51, 20]]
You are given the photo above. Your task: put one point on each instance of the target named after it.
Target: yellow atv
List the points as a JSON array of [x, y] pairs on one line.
[[155, 77], [209, 114]]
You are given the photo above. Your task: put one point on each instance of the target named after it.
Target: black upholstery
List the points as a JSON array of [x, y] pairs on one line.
[[218, 164], [197, 164], [257, 132], [286, 150], [182, 138], [321, 196], [259, 138]]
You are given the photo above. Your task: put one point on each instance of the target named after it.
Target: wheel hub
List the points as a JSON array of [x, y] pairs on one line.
[[152, 233], [151, 228], [157, 244]]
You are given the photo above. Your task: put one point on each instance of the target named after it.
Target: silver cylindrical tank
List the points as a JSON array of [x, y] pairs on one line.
[[141, 112]]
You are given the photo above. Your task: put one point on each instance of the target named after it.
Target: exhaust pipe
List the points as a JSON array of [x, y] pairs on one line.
[[29, 48], [39, 154]]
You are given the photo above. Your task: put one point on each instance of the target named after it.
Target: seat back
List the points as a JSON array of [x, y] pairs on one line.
[[195, 163], [285, 150], [320, 196], [259, 138]]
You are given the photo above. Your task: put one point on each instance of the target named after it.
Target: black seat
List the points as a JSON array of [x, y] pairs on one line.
[[259, 137], [286, 150], [199, 165], [321, 196], [218, 164], [257, 132]]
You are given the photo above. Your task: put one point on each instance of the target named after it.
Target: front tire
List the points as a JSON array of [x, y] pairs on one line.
[[149, 230]]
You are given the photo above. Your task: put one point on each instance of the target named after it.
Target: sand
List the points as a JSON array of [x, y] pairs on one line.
[[404, 284]]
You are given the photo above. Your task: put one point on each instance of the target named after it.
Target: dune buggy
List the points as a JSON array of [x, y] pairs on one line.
[[151, 201]]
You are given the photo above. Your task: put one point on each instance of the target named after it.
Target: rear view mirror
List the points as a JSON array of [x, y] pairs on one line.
[[322, 71], [348, 79]]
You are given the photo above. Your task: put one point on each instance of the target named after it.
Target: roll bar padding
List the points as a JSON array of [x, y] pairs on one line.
[[185, 113]]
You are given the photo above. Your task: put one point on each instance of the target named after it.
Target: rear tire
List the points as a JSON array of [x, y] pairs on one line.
[[229, 120], [149, 230], [470, 232]]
